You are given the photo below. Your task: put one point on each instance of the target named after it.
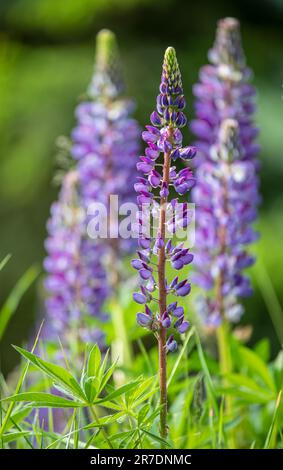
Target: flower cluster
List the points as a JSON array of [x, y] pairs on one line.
[[106, 138], [104, 150], [160, 177], [226, 195], [224, 92], [76, 281]]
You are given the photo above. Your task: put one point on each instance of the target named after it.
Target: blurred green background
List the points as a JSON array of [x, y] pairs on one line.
[[46, 60]]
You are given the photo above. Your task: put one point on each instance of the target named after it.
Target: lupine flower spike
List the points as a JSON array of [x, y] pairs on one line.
[[159, 181], [226, 194], [76, 281], [104, 151], [106, 145]]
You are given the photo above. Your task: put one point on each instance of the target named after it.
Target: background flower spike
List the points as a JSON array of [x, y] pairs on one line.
[[107, 78], [226, 194]]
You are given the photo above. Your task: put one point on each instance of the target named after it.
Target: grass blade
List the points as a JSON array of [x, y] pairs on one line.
[[13, 300], [271, 300], [4, 261], [180, 355], [271, 430], [208, 379]]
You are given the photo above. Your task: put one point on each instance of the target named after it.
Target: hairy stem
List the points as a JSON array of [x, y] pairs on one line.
[[162, 305]]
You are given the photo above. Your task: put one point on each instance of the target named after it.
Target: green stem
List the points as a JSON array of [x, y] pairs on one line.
[[101, 428], [224, 348], [121, 348], [226, 367]]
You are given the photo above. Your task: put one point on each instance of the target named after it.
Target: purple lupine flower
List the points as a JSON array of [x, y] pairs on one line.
[[164, 216], [224, 92], [106, 140], [226, 195], [76, 281], [161, 178]]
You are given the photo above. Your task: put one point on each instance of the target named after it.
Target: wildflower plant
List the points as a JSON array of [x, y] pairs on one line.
[[234, 401], [106, 147], [160, 180], [85, 269], [226, 194]]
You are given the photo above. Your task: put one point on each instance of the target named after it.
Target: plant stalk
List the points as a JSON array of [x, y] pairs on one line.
[[163, 305], [92, 409]]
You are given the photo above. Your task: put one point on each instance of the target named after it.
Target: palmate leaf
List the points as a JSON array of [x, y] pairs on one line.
[[60, 375], [144, 387], [117, 393], [116, 417], [42, 400], [95, 378]]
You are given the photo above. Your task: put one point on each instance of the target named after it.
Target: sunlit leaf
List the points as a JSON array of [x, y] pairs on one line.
[[40, 399], [55, 372]]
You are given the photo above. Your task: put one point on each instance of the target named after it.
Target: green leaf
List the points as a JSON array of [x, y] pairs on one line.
[[150, 418], [18, 416], [253, 362], [208, 379], [143, 413], [262, 349], [41, 400], [248, 396], [103, 365], [64, 378], [156, 438], [123, 435], [4, 261], [117, 393], [145, 388], [107, 376], [94, 361], [246, 383], [15, 296], [105, 420], [272, 429], [91, 388], [14, 436]]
